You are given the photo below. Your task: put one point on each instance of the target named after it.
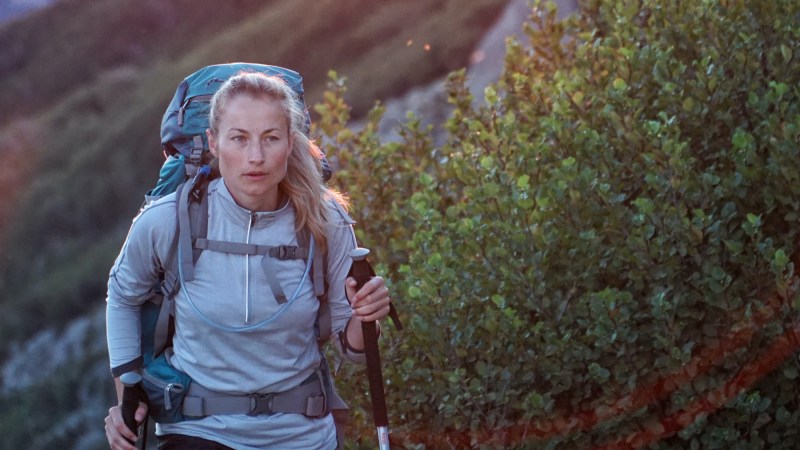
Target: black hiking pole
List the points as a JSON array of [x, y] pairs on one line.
[[362, 272], [131, 395]]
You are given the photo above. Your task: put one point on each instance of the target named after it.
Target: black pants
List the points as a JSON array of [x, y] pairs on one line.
[[181, 442]]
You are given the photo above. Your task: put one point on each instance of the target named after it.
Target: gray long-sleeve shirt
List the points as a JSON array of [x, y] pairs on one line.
[[230, 292]]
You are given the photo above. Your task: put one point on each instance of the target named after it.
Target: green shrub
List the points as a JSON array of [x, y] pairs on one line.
[[604, 253]]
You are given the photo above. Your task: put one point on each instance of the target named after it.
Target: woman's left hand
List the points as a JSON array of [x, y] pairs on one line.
[[371, 302]]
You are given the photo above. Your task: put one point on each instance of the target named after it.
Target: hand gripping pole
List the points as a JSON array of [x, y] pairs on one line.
[[132, 394], [362, 272]]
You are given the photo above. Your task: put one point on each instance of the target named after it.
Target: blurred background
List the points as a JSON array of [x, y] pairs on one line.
[[586, 209]]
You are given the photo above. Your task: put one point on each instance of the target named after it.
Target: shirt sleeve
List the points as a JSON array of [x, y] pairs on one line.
[[134, 278], [341, 241]]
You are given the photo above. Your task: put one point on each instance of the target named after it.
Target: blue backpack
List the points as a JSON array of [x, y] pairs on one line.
[[186, 171], [183, 128]]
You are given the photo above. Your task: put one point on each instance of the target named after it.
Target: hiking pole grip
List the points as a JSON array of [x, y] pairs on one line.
[[361, 271], [131, 382]]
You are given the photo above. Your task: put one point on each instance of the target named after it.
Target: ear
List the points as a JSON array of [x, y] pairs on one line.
[[212, 143]]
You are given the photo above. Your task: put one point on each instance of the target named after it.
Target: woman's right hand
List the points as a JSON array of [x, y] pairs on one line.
[[119, 436]]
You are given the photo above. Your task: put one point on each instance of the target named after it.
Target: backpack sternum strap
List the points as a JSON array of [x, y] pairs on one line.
[[282, 252], [279, 252]]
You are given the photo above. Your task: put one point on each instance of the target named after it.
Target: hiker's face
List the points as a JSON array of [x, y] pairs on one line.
[[252, 145]]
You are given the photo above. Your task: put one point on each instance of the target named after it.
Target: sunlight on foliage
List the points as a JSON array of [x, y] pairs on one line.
[[603, 254]]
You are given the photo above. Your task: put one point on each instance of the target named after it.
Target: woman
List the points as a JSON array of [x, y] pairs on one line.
[[270, 187]]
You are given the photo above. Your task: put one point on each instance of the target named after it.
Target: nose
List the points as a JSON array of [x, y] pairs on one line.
[[255, 153]]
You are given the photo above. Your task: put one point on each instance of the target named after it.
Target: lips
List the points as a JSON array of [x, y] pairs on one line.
[[255, 175]]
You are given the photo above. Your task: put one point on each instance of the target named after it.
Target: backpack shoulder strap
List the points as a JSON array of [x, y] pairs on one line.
[[191, 218], [192, 204], [319, 272]]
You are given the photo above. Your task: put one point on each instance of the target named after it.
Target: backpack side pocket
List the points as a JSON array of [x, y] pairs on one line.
[[166, 388]]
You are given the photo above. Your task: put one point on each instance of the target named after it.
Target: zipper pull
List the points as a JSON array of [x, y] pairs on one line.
[[253, 216], [171, 387], [167, 401]]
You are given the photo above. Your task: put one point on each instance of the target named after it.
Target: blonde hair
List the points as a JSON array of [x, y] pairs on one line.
[[303, 183]]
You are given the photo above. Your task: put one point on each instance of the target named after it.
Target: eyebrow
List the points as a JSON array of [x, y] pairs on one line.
[[241, 130]]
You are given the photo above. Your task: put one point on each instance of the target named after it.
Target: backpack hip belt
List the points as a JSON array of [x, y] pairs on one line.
[[309, 398]]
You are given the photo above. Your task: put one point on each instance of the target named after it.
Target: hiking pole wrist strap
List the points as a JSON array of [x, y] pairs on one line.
[[361, 271]]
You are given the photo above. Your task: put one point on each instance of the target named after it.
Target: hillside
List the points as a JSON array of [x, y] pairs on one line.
[[81, 111]]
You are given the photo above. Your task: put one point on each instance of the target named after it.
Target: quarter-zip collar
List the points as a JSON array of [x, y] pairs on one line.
[[250, 222], [242, 216]]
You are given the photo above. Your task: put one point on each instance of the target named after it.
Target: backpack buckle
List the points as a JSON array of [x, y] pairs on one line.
[[317, 404], [196, 156], [260, 404], [286, 252]]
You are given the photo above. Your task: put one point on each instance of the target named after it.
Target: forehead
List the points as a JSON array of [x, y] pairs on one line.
[[246, 109]]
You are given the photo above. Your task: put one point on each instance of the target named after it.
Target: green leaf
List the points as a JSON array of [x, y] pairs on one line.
[[535, 400], [598, 372], [523, 181], [718, 273], [735, 247], [688, 104], [780, 259], [435, 261], [499, 300], [490, 94], [491, 189], [645, 205], [481, 368], [426, 179], [620, 84], [786, 52], [466, 226], [779, 88], [741, 139]]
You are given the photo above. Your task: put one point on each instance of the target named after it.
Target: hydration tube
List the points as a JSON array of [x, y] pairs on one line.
[[242, 329]]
